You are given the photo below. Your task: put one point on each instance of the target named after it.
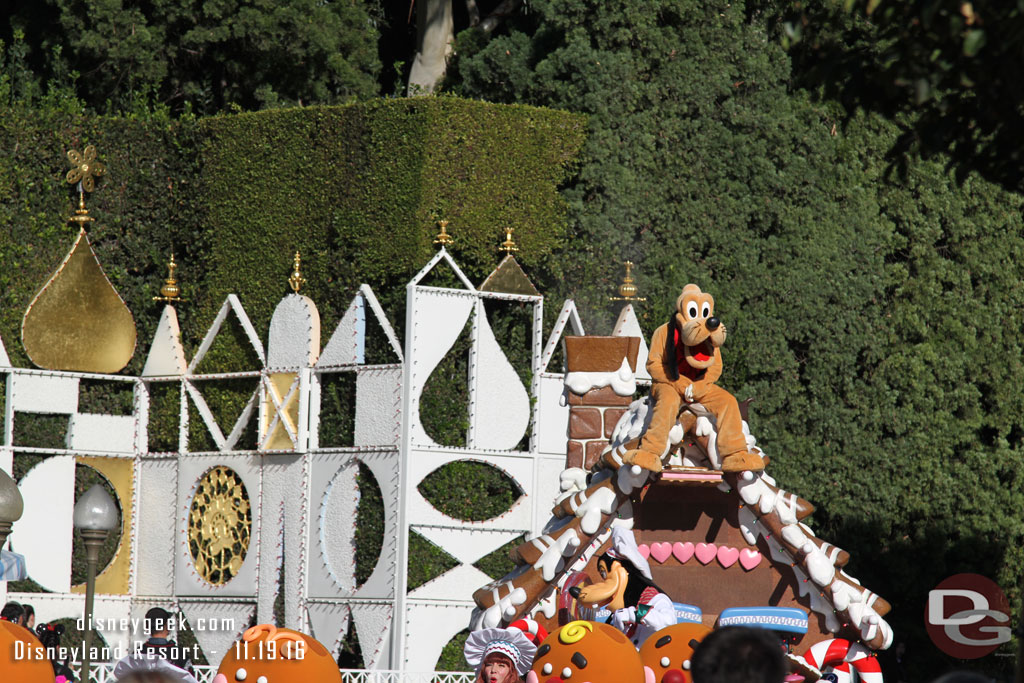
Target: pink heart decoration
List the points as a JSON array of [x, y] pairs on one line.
[[727, 556], [661, 551], [682, 551], [749, 558], [705, 552], [645, 551]]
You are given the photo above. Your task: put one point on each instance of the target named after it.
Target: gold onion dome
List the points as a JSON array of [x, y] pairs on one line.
[[78, 321]]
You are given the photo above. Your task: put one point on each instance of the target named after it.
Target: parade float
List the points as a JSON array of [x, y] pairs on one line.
[[693, 518]]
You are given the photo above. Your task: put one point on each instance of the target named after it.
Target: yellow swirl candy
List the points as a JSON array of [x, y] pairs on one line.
[[574, 631]]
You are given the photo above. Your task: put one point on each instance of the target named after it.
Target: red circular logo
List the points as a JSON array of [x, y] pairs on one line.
[[967, 616]]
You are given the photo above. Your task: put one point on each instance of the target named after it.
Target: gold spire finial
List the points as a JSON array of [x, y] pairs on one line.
[[84, 170], [296, 280], [443, 238], [627, 290], [170, 292], [509, 245]]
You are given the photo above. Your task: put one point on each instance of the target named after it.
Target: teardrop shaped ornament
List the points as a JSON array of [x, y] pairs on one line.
[[78, 321]]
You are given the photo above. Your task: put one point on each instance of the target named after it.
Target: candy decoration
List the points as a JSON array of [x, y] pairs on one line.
[[682, 551], [661, 551], [749, 558], [727, 556], [705, 552], [534, 631], [645, 550], [831, 655]]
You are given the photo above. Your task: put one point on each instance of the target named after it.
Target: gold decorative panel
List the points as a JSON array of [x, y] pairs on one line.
[[278, 422], [78, 321], [219, 525]]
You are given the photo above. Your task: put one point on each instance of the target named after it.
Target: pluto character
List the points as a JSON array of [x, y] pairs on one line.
[[22, 656], [587, 652], [668, 653], [267, 654], [638, 606], [685, 362]]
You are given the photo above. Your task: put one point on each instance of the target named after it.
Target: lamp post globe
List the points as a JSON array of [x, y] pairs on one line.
[[11, 505], [95, 515]]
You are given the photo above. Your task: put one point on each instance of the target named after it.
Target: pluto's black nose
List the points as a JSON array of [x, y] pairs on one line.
[[713, 323], [575, 592]]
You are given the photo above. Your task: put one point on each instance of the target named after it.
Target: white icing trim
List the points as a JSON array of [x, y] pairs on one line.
[[622, 381]]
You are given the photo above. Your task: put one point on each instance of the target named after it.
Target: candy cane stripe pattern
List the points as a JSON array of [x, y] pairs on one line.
[[534, 631], [838, 651]]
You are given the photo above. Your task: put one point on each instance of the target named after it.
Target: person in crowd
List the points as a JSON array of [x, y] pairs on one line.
[[13, 612], [159, 644], [499, 655], [28, 620], [50, 635], [736, 654], [150, 669]]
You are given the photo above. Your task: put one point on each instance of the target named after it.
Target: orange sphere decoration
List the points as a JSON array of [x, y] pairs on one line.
[[22, 656], [280, 655], [587, 651], [667, 653]]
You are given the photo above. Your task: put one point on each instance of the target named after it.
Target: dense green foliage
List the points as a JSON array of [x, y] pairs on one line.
[[203, 57], [949, 68], [874, 317]]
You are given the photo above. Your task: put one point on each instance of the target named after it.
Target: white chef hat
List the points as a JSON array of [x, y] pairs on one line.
[[624, 547], [511, 642]]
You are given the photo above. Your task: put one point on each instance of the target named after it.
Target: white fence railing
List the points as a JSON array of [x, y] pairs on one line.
[[103, 672]]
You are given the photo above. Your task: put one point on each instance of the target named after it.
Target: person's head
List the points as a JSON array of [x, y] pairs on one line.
[[142, 669], [736, 654], [13, 612], [49, 634], [499, 655], [497, 668], [29, 619], [158, 622]]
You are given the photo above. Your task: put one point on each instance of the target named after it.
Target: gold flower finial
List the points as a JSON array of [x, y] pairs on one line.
[[296, 280], [85, 168], [627, 290], [170, 292], [509, 245], [443, 238]]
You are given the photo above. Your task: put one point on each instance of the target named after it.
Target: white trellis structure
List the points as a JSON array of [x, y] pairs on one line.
[[303, 494]]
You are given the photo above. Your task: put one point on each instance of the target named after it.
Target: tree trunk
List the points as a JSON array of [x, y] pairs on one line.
[[435, 33]]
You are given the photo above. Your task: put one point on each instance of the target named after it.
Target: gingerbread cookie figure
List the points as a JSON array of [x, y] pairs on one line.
[[685, 362]]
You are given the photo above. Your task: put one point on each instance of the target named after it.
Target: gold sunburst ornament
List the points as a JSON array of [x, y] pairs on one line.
[[219, 525], [84, 168]]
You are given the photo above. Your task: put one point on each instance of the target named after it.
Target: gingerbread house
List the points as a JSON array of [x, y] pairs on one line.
[[728, 549]]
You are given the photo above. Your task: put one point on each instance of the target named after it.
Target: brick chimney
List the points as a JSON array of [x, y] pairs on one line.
[[594, 413]]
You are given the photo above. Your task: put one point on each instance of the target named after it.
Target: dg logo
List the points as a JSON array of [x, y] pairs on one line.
[[967, 616]]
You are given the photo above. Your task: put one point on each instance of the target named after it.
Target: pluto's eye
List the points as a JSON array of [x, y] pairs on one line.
[[691, 309], [705, 310], [241, 675], [547, 669]]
